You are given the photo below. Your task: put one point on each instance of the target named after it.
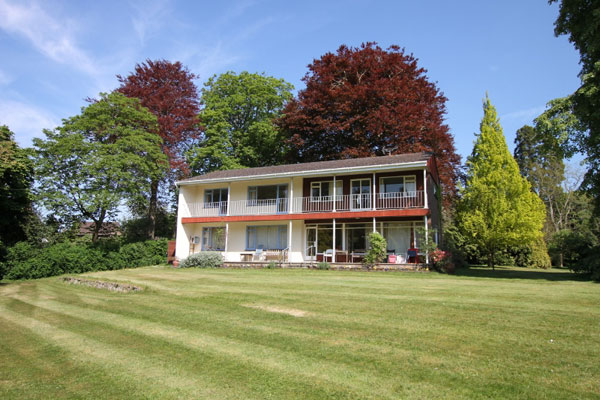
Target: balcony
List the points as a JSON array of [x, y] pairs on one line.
[[304, 205]]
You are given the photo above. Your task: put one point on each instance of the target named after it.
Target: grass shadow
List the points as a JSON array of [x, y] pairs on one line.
[[554, 274]]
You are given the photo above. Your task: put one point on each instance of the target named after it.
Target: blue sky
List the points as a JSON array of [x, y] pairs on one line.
[[54, 54]]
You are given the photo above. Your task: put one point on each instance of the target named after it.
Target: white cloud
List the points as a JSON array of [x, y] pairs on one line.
[[150, 18], [50, 37], [25, 120], [527, 114]]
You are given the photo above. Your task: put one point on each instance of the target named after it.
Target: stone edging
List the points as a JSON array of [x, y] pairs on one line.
[[112, 286]]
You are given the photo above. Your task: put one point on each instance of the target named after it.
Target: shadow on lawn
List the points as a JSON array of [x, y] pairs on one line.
[[521, 273]]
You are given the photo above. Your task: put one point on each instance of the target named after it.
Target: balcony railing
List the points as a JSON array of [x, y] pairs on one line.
[[300, 205]]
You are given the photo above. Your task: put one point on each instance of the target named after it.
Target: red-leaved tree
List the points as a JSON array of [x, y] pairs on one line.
[[367, 101], [168, 91]]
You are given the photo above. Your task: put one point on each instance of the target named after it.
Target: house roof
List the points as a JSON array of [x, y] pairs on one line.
[[313, 168], [106, 229]]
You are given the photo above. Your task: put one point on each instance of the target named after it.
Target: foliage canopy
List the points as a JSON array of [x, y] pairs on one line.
[[94, 160], [238, 119], [367, 101], [16, 177], [580, 20]]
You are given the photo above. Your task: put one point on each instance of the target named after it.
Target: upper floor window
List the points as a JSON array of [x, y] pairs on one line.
[[212, 197], [267, 192], [323, 191], [406, 185]]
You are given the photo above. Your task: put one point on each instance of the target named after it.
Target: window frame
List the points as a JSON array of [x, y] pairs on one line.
[[211, 193], [254, 189], [281, 230], [338, 190], [209, 246], [404, 193]]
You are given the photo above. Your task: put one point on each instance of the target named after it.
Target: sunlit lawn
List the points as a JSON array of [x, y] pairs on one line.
[[247, 334]]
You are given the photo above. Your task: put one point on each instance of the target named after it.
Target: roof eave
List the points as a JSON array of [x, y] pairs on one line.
[[328, 171]]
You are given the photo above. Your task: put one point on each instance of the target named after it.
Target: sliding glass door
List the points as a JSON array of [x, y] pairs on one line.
[[360, 193]]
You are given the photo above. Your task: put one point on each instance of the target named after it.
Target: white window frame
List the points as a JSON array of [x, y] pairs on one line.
[[339, 190], [405, 193], [210, 231]]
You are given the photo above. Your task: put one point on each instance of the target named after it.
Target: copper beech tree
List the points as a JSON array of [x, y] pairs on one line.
[[367, 101], [168, 91]]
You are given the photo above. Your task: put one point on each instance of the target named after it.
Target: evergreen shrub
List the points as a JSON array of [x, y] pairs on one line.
[[205, 259]]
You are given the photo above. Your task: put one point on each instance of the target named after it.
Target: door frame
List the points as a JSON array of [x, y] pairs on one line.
[[361, 194]]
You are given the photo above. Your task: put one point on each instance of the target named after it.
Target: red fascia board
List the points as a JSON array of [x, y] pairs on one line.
[[410, 212]]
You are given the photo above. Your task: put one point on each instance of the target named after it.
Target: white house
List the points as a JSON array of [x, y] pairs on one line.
[[299, 213]]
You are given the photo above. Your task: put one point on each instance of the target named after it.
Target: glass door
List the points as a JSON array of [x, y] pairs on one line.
[[311, 243], [360, 192], [282, 199]]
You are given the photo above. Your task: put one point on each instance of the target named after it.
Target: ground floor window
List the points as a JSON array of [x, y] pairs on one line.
[[267, 237], [398, 237], [356, 238], [213, 239], [348, 237]]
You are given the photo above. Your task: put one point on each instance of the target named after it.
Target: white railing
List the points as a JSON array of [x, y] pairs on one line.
[[299, 205]]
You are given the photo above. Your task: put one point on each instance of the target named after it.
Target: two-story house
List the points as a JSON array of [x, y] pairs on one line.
[[302, 212]]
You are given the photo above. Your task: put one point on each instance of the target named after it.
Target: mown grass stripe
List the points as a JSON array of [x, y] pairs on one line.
[[144, 374], [258, 355]]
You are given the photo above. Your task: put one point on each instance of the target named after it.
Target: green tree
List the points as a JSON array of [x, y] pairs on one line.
[[541, 163], [497, 207], [238, 115], [16, 177], [580, 20], [108, 153]]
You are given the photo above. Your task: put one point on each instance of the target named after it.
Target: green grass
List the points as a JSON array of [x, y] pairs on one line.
[[223, 334]]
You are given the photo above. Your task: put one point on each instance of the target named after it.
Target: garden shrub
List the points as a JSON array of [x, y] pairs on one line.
[[323, 265], [539, 255], [377, 249], [442, 261], [205, 259], [272, 265]]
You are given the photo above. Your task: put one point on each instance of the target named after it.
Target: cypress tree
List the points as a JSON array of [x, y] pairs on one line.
[[497, 209]]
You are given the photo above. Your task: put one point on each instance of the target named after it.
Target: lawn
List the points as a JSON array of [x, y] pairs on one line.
[[246, 334]]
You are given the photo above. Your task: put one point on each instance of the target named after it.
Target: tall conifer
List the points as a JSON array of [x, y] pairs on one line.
[[498, 208]]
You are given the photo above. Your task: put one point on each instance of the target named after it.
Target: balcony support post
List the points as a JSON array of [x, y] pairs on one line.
[[334, 200], [374, 187], [426, 239], [374, 225], [333, 247], [425, 187], [226, 237], [289, 252], [291, 202], [228, 198]]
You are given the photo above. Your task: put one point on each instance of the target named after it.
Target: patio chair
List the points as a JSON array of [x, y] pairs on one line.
[[328, 254], [414, 254], [259, 255]]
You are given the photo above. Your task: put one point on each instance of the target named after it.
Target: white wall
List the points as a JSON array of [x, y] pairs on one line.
[[236, 240]]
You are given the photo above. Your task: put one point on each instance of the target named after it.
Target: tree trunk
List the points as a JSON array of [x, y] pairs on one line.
[[560, 258], [97, 226], [491, 261], [152, 208]]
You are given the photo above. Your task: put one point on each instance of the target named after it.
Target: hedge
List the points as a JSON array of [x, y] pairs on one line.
[[24, 261]]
